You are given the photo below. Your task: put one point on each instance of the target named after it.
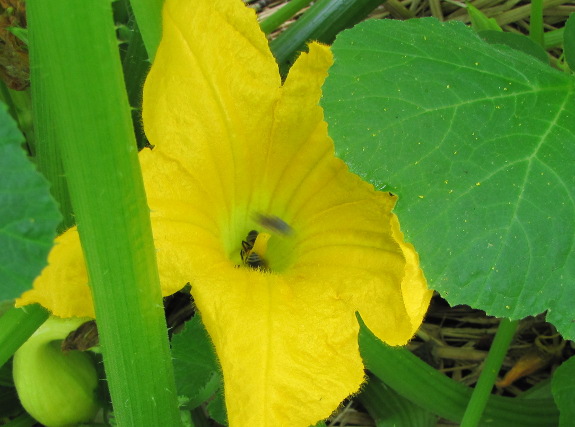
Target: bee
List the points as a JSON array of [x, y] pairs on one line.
[[274, 223], [248, 244], [250, 258], [83, 338], [255, 261]]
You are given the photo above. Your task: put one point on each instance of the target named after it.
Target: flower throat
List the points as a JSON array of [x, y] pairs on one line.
[[255, 246], [254, 249]]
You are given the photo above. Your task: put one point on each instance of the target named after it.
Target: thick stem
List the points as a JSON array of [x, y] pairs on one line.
[[84, 88]]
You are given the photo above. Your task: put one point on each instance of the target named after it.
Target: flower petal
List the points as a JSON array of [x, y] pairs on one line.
[[416, 295], [209, 96], [62, 287], [289, 354], [347, 235], [287, 341]]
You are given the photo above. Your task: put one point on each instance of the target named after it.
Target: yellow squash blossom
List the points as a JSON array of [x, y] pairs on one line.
[[235, 151]]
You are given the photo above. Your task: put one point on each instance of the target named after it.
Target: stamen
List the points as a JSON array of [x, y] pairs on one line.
[[254, 249], [261, 244]]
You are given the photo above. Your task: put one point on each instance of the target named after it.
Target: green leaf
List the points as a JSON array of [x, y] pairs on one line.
[[569, 41], [515, 41], [564, 392], [388, 408], [148, 15], [195, 365], [28, 214], [480, 21], [21, 33], [478, 141], [23, 420], [217, 409], [16, 326]]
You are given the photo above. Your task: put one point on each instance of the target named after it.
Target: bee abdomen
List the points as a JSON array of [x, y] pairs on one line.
[[255, 261]]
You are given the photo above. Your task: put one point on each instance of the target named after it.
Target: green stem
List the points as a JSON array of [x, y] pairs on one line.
[[536, 22], [84, 87], [16, 326], [521, 12], [322, 22], [432, 390], [148, 15], [397, 9], [491, 368], [273, 21], [553, 38]]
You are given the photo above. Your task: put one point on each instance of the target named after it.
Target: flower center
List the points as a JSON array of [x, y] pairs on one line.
[[258, 250], [254, 249]]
